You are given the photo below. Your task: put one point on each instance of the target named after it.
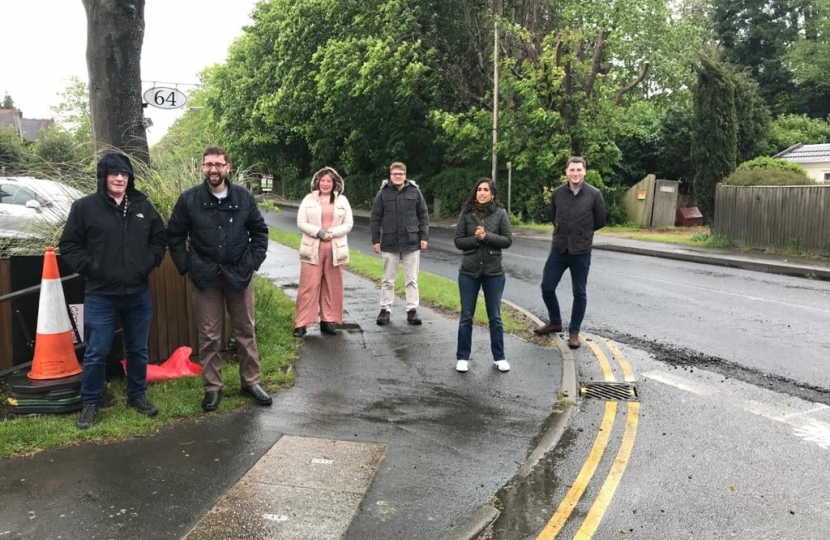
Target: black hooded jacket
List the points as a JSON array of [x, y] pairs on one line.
[[113, 246], [228, 237]]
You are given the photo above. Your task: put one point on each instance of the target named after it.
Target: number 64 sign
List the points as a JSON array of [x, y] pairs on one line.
[[165, 98]]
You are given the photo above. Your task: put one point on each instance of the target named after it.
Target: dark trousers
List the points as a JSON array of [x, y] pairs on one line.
[[100, 312], [555, 266], [468, 287]]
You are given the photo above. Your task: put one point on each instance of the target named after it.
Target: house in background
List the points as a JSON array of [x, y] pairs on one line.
[[29, 129], [815, 158]]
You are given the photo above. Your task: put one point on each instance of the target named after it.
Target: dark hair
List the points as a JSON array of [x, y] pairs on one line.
[[215, 151], [470, 203], [337, 180], [577, 159]]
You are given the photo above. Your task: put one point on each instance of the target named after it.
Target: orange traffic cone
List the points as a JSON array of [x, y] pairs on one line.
[[54, 352]]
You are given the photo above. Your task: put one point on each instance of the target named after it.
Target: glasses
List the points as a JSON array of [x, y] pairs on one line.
[[398, 174], [212, 165]]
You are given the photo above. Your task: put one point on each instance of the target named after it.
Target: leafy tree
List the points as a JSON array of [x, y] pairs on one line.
[[13, 155], [809, 59], [751, 114], [715, 132], [73, 110], [790, 129], [8, 102], [674, 136], [115, 35], [756, 34]]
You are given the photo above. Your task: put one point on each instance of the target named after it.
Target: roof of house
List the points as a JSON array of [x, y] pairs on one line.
[[806, 153], [28, 128]]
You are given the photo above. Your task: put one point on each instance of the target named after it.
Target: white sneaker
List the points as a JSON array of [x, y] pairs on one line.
[[462, 366], [502, 365]]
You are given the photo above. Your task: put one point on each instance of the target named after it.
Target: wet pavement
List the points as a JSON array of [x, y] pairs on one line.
[[451, 440]]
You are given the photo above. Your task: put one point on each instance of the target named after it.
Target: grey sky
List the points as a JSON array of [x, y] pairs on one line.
[[44, 43]]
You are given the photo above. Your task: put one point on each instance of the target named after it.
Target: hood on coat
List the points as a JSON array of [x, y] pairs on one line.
[[405, 183], [114, 163], [339, 185]]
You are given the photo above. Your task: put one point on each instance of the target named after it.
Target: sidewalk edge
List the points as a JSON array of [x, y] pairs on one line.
[[728, 262]]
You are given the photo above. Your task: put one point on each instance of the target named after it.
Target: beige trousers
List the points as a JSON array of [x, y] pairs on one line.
[[411, 261], [209, 312]]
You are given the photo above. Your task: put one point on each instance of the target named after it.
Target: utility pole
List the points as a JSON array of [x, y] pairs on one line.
[[495, 96]]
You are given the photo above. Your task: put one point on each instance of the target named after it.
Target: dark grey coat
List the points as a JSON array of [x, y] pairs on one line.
[[400, 218], [575, 218], [483, 258]]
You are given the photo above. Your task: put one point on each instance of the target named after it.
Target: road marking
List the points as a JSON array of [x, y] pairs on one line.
[[793, 411], [621, 360], [601, 358], [719, 291], [585, 474], [612, 481]]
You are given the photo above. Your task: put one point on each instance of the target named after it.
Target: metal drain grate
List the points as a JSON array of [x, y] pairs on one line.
[[609, 391]]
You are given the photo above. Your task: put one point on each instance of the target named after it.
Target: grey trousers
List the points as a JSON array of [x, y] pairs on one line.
[[209, 312], [411, 261]]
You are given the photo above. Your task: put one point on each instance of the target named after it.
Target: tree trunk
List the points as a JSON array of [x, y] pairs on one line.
[[115, 34]]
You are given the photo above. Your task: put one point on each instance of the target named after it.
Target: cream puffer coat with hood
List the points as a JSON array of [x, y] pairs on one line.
[[310, 221]]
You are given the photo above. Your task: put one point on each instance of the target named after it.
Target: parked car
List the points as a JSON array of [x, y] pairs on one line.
[[32, 207]]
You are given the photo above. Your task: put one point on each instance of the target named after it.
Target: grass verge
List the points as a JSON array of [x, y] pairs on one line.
[[175, 399], [437, 292]]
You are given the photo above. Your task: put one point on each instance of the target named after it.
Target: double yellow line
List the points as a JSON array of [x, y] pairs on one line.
[[606, 492]]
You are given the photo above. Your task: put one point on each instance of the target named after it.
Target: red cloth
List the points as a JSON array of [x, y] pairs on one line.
[[178, 365]]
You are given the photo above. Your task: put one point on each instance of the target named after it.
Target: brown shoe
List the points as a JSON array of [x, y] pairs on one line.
[[548, 329], [573, 340]]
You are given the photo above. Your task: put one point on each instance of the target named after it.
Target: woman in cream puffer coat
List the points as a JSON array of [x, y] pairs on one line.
[[325, 218]]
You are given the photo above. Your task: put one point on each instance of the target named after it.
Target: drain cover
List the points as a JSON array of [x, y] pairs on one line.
[[609, 391]]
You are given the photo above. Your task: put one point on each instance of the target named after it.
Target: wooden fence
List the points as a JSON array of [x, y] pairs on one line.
[[778, 217], [172, 325]]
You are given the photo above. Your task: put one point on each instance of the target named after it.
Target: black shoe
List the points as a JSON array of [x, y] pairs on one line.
[[88, 417], [142, 405], [383, 317], [257, 394], [211, 400], [412, 317], [327, 327], [299, 331]]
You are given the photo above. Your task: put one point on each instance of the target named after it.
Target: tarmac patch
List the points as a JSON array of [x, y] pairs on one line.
[[302, 488]]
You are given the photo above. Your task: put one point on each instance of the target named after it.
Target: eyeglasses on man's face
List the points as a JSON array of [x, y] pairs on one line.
[[398, 174], [209, 166]]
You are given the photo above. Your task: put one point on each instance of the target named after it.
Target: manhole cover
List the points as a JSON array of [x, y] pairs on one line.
[[609, 391]]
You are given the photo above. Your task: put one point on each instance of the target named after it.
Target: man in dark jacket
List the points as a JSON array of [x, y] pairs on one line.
[[577, 210], [400, 230], [228, 241], [114, 238]]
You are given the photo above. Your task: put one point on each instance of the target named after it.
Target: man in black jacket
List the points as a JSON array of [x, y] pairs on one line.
[[400, 230], [114, 238], [228, 241], [577, 210]]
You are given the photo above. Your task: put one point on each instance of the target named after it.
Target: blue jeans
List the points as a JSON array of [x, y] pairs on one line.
[[468, 287], [555, 266], [100, 311]]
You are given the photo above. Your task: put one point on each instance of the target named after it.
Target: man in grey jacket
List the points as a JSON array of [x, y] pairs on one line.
[[577, 210], [400, 231]]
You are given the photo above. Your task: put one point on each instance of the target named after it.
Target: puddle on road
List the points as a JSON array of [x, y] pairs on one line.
[[527, 504]]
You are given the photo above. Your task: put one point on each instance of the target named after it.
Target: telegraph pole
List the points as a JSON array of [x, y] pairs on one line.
[[495, 96]]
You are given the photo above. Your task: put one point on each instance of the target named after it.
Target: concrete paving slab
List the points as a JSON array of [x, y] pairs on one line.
[[302, 488]]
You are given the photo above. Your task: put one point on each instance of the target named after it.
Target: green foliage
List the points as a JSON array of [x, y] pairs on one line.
[[13, 155], [176, 399], [790, 129], [751, 114], [715, 133], [452, 187], [8, 102], [673, 145], [756, 35], [767, 177], [764, 162], [73, 111]]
